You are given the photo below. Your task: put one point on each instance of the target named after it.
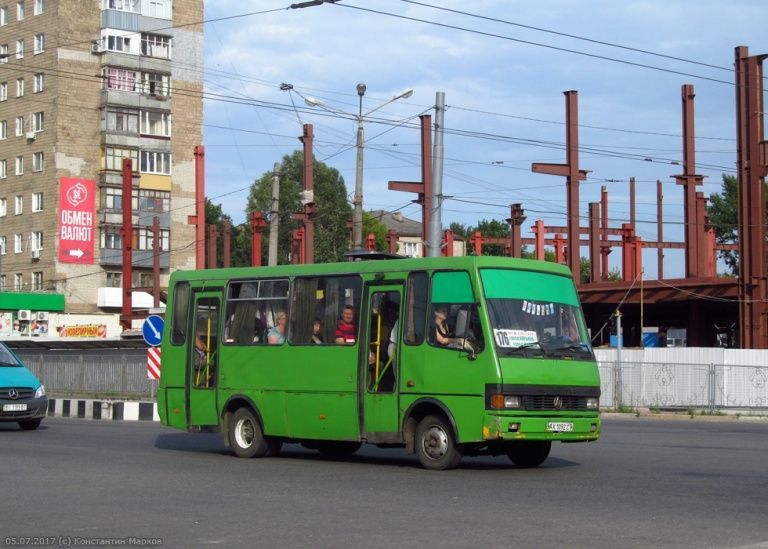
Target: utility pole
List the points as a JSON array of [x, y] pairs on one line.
[[273, 218], [435, 219], [357, 211], [617, 374]]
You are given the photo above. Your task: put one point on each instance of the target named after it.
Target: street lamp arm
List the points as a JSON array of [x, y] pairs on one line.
[[405, 94]]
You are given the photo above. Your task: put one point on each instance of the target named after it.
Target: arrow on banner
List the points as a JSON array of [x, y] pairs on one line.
[[77, 253]]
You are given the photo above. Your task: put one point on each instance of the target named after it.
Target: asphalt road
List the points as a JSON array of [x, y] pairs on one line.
[[646, 483]]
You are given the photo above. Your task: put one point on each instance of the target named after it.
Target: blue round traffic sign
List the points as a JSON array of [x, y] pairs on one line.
[[152, 329]]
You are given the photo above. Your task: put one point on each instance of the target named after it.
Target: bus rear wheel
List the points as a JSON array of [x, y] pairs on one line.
[[247, 438], [436, 444], [529, 453]]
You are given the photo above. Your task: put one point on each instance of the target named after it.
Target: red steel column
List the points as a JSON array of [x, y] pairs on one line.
[[659, 231], [258, 224], [213, 237], [605, 247], [515, 220], [309, 187], [594, 241], [156, 260], [447, 248], [227, 251], [689, 180], [127, 201], [538, 230], [752, 169]]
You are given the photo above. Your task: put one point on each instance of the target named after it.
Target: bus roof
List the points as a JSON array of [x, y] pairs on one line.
[[374, 266]]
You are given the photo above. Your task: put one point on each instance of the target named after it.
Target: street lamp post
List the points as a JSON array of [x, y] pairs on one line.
[[357, 212]]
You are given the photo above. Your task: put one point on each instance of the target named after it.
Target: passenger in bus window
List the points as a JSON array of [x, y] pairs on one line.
[[346, 331], [443, 335], [276, 334], [317, 332]]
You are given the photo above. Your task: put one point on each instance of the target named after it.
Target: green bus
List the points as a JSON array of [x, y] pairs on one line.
[[445, 357]]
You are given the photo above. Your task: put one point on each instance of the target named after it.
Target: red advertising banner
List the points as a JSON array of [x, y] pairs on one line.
[[77, 200]]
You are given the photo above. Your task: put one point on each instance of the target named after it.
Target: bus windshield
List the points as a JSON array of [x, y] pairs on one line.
[[535, 312]]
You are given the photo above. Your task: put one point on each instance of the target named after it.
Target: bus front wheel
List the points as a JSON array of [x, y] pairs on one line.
[[246, 437], [529, 453], [436, 444]]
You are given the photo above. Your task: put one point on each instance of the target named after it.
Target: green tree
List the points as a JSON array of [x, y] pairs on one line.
[[459, 229], [724, 218], [333, 210]]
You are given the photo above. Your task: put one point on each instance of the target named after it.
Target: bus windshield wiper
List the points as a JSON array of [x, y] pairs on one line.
[[573, 346], [524, 348]]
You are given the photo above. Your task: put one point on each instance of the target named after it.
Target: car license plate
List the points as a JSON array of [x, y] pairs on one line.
[[559, 427], [14, 407]]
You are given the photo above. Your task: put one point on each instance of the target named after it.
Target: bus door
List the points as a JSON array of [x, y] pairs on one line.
[[203, 360], [380, 368]]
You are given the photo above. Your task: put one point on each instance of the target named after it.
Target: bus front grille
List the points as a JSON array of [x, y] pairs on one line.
[[551, 402]]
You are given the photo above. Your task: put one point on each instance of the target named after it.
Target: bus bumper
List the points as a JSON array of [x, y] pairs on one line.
[[563, 428]]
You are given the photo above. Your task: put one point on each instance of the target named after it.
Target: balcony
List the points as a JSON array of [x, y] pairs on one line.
[[139, 258]]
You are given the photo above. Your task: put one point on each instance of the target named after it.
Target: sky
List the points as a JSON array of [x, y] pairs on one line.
[[503, 66]]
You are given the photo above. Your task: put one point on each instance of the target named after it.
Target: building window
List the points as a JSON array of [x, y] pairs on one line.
[[156, 123], [3, 91], [3, 129], [114, 280], [4, 16], [122, 120], [156, 162], [20, 49], [18, 281], [19, 202], [113, 158], [37, 240], [37, 280], [39, 82], [111, 238], [118, 43], [19, 165], [39, 6], [38, 162], [156, 84], [122, 5], [112, 198], [39, 43], [19, 87], [154, 201], [161, 9], [119, 79], [18, 241], [37, 202], [2, 282], [154, 45], [38, 122], [3, 53], [20, 10], [19, 126], [3, 169], [142, 239], [3, 207], [2, 245]]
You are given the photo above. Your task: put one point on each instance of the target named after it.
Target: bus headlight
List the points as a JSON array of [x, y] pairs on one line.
[[593, 403], [504, 402]]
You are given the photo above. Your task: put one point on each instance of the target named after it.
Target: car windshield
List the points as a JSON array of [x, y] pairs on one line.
[[7, 358]]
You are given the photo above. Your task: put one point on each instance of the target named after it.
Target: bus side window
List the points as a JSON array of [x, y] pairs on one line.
[[252, 309], [416, 308], [181, 297], [320, 301], [455, 320]]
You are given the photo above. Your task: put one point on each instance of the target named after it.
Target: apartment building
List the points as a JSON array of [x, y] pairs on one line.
[[84, 84]]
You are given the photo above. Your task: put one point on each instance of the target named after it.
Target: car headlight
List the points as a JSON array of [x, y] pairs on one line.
[[593, 403], [40, 391]]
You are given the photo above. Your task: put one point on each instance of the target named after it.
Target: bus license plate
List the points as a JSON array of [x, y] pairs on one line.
[[559, 427], [14, 407]]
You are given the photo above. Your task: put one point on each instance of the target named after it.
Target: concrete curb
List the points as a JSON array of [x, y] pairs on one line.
[[86, 408], [682, 416]]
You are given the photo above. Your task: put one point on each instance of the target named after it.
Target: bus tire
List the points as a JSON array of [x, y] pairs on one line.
[[436, 444], [529, 453], [246, 436]]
